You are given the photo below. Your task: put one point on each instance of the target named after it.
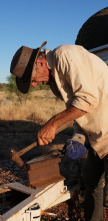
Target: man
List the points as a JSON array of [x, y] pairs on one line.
[[81, 79]]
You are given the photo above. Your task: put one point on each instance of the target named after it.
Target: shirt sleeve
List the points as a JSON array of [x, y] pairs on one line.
[[78, 71]]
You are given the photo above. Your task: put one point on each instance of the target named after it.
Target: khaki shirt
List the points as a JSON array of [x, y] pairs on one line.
[[82, 79]]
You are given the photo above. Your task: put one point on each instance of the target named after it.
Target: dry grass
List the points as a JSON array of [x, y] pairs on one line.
[[40, 106], [20, 123]]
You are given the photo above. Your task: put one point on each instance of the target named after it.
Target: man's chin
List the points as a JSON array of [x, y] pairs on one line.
[[39, 83], [33, 84]]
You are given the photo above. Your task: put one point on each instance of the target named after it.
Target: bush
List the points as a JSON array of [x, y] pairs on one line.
[[12, 88]]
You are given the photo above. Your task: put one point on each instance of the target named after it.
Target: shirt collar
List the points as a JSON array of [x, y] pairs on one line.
[[49, 59]]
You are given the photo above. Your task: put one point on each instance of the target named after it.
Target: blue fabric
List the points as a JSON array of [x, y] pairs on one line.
[[73, 149]]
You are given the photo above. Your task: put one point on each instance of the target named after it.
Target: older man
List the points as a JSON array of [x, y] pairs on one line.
[[81, 79]]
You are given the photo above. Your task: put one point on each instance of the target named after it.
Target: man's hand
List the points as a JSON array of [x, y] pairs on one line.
[[46, 134]]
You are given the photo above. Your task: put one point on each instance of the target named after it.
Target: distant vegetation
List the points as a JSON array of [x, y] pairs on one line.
[[38, 105], [11, 85], [11, 88]]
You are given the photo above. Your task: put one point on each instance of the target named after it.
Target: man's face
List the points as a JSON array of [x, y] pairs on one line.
[[41, 74]]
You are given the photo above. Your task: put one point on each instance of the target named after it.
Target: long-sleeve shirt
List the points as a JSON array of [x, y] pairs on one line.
[[82, 79]]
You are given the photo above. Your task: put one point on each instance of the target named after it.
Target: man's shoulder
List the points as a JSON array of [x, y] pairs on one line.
[[68, 48], [64, 47]]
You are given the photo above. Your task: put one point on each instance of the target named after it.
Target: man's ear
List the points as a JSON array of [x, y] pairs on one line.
[[39, 62]]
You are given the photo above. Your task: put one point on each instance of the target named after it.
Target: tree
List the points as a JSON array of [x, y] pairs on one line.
[[12, 88]]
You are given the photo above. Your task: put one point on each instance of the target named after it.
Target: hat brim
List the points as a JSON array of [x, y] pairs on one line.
[[23, 87], [24, 83]]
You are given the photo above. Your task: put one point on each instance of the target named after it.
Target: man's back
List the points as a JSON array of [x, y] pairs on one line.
[[82, 79]]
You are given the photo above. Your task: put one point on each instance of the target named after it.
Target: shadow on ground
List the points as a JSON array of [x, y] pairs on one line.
[[19, 134]]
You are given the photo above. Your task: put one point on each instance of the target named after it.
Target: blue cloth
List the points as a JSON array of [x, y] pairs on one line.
[[73, 149]]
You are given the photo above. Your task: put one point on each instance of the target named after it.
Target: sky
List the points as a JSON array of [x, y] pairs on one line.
[[30, 22]]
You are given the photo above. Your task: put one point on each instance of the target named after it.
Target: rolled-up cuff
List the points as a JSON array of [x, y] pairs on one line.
[[81, 104]]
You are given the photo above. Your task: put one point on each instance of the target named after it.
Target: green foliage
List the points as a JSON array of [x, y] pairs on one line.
[[12, 88]]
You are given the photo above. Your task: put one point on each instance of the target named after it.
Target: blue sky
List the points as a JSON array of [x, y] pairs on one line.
[[30, 22]]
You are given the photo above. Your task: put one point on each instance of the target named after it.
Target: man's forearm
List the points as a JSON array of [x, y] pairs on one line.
[[66, 116]]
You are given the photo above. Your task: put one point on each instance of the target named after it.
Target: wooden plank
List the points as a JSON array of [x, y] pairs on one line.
[[44, 198], [24, 189], [28, 190], [15, 213]]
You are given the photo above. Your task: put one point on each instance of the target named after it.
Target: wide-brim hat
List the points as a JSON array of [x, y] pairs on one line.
[[22, 66]]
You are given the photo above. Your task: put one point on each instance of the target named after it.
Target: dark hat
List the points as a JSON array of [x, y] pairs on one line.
[[22, 66]]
